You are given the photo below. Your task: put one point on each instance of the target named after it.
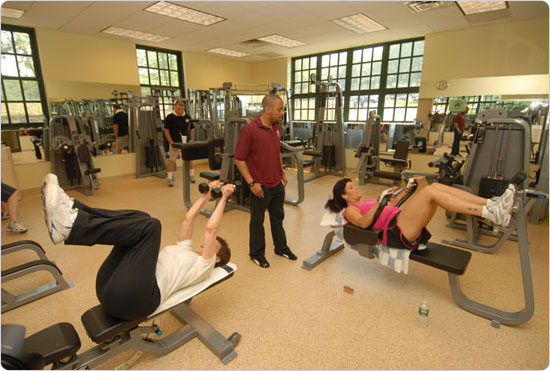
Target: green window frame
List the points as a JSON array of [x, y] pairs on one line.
[[24, 102], [366, 76], [160, 68]]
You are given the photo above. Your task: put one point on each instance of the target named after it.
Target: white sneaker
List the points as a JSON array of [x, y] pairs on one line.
[[58, 215], [16, 227], [192, 179], [506, 199], [6, 215], [498, 215]]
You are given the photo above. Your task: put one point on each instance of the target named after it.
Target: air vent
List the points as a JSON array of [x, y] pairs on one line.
[[255, 43], [424, 6]]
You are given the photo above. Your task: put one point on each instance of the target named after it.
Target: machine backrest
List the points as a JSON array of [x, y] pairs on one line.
[[401, 150]]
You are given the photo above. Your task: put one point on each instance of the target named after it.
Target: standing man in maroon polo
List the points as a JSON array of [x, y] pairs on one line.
[[258, 157], [459, 127]]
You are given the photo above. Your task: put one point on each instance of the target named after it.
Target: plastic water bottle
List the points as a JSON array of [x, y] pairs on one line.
[[423, 312]]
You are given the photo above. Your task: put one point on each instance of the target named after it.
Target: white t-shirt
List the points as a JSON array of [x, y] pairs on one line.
[[179, 266]]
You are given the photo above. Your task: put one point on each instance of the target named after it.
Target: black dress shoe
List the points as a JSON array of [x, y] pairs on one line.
[[286, 253], [262, 262]]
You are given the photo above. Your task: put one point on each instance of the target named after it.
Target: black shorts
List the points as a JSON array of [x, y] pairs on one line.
[[7, 191], [396, 239]]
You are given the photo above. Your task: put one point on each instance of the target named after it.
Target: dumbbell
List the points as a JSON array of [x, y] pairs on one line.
[[214, 193]]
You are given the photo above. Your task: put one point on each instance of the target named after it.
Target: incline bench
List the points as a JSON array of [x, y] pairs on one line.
[[58, 344]]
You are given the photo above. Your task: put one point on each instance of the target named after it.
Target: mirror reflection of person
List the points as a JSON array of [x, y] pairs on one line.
[[10, 202], [178, 128], [120, 128]]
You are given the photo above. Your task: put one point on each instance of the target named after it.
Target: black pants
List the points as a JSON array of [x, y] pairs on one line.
[[273, 202], [456, 143], [126, 283]]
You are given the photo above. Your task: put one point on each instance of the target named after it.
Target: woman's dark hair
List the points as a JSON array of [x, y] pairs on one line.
[[337, 203]]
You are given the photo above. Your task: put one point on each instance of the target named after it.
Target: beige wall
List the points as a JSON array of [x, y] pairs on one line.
[[78, 66], [203, 72], [276, 70], [506, 58]]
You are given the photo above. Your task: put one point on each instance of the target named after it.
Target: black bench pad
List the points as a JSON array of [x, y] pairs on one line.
[[100, 326], [436, 255], [192, 150], [54, 343], [443, 257], [209, 175]]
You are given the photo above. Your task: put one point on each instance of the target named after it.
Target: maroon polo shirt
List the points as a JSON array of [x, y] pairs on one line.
[[460, 119], [260, 148]]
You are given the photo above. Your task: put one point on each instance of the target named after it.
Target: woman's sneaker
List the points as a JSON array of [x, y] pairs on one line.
[[58, 215], [16, 227], [498, 215]]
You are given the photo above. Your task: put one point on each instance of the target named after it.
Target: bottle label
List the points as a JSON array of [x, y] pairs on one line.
[[423, 311]]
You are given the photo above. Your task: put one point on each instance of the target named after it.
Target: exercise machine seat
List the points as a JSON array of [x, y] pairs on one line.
[[101, 327], [400, 155], [435, 255], [54, 343]]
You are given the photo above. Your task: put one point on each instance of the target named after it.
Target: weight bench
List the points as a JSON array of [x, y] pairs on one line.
[[42, 264], [398, 162], [58, 344]]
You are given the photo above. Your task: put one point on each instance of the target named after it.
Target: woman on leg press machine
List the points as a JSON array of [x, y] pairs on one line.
[[406, 228]]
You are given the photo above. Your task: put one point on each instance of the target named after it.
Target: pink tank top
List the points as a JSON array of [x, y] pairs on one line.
[[383, 221]]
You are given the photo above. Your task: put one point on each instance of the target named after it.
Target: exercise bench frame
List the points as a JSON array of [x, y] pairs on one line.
[[42, 264]]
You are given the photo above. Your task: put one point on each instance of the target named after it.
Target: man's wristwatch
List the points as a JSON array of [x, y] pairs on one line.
[[251, 184]]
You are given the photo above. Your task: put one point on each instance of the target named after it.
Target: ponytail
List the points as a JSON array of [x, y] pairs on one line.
[[337, 203]]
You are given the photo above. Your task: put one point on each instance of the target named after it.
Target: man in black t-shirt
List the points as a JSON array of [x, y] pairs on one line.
[[178, 128], [120, 128]]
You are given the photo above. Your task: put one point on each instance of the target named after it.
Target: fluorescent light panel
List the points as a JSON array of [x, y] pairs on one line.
[[281, 40], [474, 7], [359, 23], [12, 13], [134, 34], [231, 53], [184, 13]]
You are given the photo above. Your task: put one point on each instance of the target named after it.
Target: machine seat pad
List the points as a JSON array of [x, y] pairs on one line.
[[354, 235], [33, 263], [192, 150], [209, 175], [387, 175], [307, 163], [100, 326], [54, 343], [394, 162], [443, 257]]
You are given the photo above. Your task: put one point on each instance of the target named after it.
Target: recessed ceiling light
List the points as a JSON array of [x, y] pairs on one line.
[[359, 23], [281, 40], [184, 13], [12, 13], [231, 53], [474, 7], [134, 34]]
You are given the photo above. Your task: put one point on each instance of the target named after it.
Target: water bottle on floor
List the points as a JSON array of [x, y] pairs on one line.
[[423, 312]]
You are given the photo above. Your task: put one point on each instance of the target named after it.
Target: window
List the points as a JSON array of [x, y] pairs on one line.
[[361, 105], [304, 109], [23, 96], [366, 68], [303, 68], [383, 77], [160, 68], [400, 107], [405, 64], [334, 65], [440, 105]]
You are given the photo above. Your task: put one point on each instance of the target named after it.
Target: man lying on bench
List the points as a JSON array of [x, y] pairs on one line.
[[136, 278], [406, 228]]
